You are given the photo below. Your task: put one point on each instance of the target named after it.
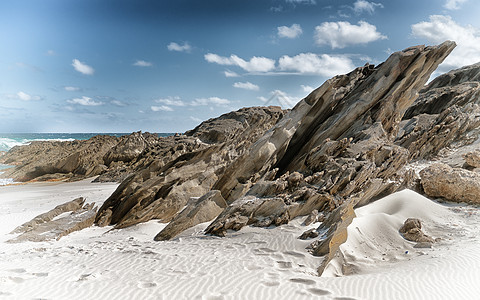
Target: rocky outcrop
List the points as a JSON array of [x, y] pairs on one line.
[[49, 226], [340, 138], [454, 184], [197, 211], [163, 184]]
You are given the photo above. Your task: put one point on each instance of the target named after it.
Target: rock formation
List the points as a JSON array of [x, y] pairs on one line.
[[349, 142], [411, 230], [162, 187], [49, 226], [455, 184]]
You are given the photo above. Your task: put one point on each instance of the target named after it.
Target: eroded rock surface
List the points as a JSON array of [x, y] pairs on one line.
[[411, 230], [454, 184], [52, 226]]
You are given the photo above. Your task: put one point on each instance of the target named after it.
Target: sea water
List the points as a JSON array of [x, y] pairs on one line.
[[10, 140]]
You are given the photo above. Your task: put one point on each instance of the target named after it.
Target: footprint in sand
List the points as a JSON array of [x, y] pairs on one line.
[[344, 298], [40, 274], [146, 285], [271, 283], [302, 280], [284, 264], [293, 253], [16, 279], [19, 270], [318, 292]]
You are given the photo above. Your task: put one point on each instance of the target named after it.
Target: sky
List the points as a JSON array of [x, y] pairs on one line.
[[166, 66]]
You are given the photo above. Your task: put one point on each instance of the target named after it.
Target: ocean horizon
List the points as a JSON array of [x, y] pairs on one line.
[[10, 140]]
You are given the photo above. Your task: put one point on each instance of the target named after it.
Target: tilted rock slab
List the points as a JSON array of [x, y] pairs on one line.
[[454, 184], [340, 137], [46, 227]]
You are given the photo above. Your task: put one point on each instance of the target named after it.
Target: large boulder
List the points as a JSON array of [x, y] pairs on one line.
[[455, 184]]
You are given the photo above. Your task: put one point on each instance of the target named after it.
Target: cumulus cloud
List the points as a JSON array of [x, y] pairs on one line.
[[441, 28], [255, 64], [453, 4], [195, 119], [229, 73], [85, 101], [307, 88], [172, 101], [71, 88], [26, 97], [310, 63], [210, 101], [142, 63], [82, 67], [343, 34], [361, 6], [161, 108], [179, 48], [289, 32], [246, 86]]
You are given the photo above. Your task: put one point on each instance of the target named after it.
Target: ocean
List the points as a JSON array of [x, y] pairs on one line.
[[10, 140]]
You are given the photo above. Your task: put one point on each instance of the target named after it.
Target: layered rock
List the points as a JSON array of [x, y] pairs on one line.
[[51, 226], [162, 187]]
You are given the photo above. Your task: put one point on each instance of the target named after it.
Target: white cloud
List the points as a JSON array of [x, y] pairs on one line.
[[71, 88], [246, 85], [453, 4], [195, 119], [26, 97], [118, 103], [85, 101], [172, 101], [361, 6], [229, 73], [343, 34], [281, 97], [180, 48], [142, 63], [255, 64], [441, 28], [211, 100], [289, 32], [161, 108], [308, 2], [307, 88], [51, 53], [310, 63], [82, 67]]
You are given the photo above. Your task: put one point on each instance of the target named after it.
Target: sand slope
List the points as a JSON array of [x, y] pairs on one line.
[[254, 263]]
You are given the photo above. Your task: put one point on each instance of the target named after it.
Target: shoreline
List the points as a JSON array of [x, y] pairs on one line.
[[254, 261]]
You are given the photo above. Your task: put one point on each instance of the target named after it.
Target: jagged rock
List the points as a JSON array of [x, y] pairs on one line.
[[472, 159], [454, 184], [73, 206], [197, 211], [163, 185], [411, 230], [309, 234], [311, 218], [46, 227], [333, 233]]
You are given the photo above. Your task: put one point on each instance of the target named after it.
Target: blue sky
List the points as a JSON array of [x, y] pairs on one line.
[[165, 66]]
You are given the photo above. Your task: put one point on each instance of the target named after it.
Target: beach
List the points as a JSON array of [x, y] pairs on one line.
[[254, 263]]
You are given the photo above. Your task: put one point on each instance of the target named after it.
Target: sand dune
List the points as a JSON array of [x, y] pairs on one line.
[[254, 263]]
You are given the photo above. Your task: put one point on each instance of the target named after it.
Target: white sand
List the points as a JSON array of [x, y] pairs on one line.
[[254, 263]]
